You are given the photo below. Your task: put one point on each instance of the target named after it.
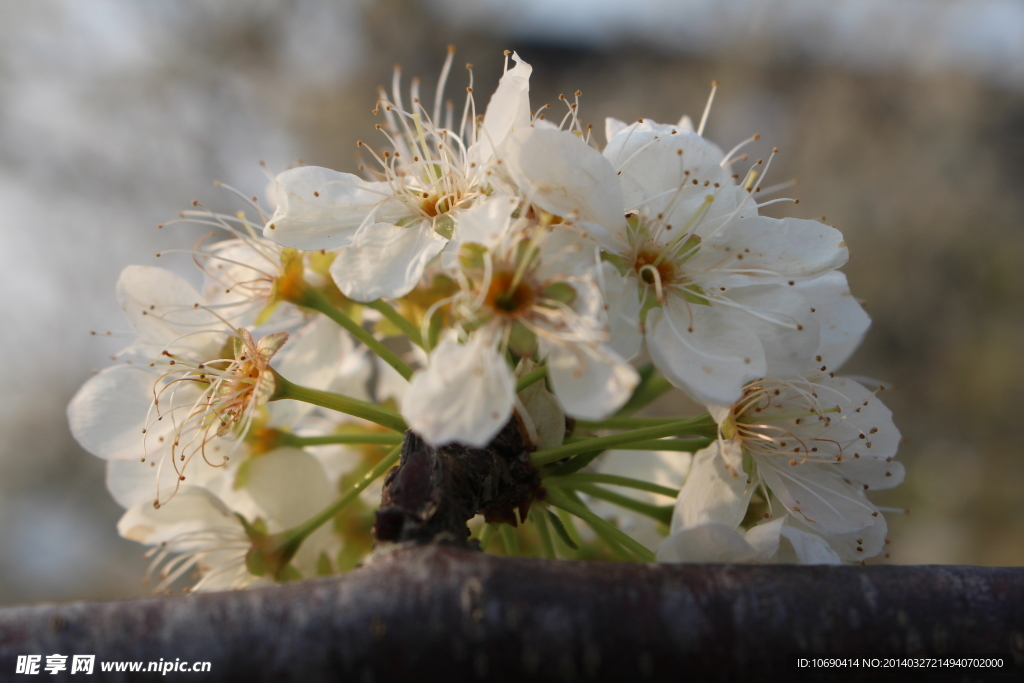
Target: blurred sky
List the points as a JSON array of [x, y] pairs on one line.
[[904, 120]]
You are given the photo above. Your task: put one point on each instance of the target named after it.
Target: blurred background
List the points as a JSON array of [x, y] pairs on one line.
[[903, 120]]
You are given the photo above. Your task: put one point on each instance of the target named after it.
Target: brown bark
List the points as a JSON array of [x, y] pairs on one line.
[[433, 492], [428, 612]]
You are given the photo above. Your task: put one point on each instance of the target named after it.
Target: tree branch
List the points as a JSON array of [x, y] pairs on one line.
[[435, 612]]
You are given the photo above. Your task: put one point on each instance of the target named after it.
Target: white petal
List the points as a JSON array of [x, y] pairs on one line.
[[622, 304], [841, 320], [131, 482], [108, 413], [312, 353], [192, 510], [764, 539], [716, 489], [782, 320], [485, 221], [464, 395], [591, 382], [658, 170], [566, 177], [808, 548], [565, 253], [321, 209], [613, 127], [852, 546], [866, 460], [507, 110], [385, 261], [706, 352], [167, 313], [706, 542], [289, 485], [818, 495], [759, 249]]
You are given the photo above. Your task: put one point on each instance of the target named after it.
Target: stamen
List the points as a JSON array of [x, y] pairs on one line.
[[707, 108]]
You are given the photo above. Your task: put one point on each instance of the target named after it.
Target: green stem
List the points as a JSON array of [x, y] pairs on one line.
[[531, 377], [362, 438], [690, 445], [558, 498], [539, 517], [570, 527], [675, 445], [313, 299], [616, 547], [305, 529], [398, 320], [486, 535], [675, 428], [342, 404], [625, 423], [614, 480], [661, 513], [508, 537]]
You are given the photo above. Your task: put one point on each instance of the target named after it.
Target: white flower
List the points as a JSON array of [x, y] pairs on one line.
[[709, 277], [175, 411], [390, 229], [201, 530], [718, 279], [464, 395], [709, 511], [534, 293], [817, 442]]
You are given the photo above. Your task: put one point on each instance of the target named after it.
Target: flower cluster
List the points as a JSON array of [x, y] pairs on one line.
[[486, 269]]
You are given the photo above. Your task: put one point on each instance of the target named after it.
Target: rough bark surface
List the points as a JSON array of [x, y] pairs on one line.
[[433, 492], [435, 612]]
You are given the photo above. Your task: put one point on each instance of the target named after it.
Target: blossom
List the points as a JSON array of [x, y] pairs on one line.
[[710, 279], [505, 272], [533, 292], [390, 228], [812, 444], [202, 528]]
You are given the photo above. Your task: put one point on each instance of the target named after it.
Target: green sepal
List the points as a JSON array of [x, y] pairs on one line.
[[522, 341], [620, 262], [471, 256], [561, 292], [408, 221], [323, 565], [264, 315], [288, 573], [691, 245], [695, 295], [242, 475], [445, 227], [748, 464], [320, 262]]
